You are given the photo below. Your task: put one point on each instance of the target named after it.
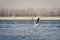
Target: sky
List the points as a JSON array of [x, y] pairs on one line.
[[30, 3]]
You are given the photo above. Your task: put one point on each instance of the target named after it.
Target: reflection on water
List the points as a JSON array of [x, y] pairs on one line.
[[24, 30]]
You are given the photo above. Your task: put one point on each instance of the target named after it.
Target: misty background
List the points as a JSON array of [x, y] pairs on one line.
[[29, 8], [48, 12]]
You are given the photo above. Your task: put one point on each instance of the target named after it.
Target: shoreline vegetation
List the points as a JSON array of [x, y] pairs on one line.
[[30, 14], [29, 18], [49, 12]]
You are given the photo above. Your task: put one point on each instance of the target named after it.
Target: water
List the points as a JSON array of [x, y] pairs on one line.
[[24, 30]]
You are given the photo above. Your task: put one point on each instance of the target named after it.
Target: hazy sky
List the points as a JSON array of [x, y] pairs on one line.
[[30, 3]]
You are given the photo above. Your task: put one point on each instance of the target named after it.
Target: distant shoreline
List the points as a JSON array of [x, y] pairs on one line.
[[29, 18]]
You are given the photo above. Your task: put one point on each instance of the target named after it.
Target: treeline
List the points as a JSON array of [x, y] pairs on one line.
[[30, 12]]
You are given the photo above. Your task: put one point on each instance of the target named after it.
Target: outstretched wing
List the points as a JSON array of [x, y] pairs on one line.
[[34, 21]]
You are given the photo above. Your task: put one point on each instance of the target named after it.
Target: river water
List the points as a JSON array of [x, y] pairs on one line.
[[24, 30]]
